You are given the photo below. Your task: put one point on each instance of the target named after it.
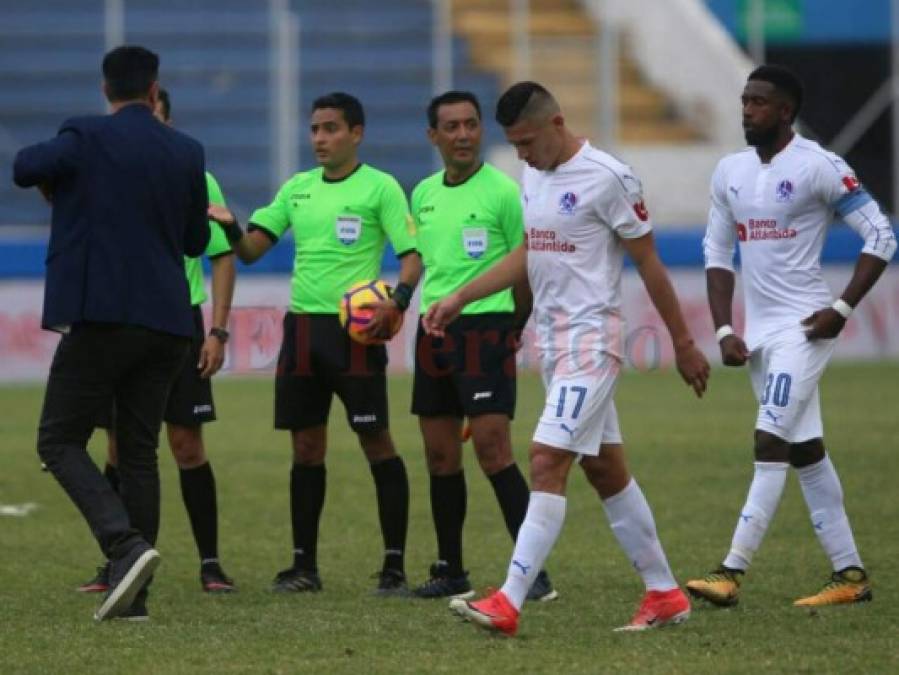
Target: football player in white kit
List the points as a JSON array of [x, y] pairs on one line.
[[778, 197], [583, 209]]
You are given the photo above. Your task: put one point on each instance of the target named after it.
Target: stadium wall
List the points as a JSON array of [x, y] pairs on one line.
[[260, 302]]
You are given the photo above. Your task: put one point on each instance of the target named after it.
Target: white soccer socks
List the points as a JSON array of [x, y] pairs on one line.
[[634, 527], [824, 497], [536, 537], [761, 504]]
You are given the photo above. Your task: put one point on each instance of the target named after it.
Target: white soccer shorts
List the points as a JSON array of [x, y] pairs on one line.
[[579, 414], [785, 372]]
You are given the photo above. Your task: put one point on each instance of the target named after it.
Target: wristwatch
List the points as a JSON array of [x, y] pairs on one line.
[[219, 333]]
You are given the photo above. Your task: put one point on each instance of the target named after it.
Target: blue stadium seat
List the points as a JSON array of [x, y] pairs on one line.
[[215, 61]]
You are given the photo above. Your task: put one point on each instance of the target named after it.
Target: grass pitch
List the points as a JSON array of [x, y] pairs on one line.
[[692, 458]]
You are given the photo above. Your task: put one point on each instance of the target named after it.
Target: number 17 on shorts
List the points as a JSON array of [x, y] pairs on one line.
[[579, 413]]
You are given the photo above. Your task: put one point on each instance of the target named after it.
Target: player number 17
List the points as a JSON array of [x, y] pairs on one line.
[[563, 393]]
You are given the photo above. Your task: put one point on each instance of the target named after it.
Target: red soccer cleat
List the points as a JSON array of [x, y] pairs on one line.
[[493, 613], [659, 608]]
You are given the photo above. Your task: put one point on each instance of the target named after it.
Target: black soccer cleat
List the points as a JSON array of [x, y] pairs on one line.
[[442, 585], [542, 589], [214, 580], [392, 584], [99, 583], [294, 580]]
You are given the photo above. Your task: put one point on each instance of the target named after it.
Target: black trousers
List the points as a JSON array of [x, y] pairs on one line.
[[95, 365]]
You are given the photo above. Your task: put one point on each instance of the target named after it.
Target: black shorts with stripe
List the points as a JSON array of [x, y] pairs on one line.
[[471, 371], [318, 360]]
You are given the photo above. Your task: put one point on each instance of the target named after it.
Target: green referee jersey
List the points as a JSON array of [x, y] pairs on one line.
[[340, 229], [218, 245], [463, 230]]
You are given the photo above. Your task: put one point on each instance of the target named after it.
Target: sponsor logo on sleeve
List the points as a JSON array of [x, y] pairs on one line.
[[851, 182], [641, 211]]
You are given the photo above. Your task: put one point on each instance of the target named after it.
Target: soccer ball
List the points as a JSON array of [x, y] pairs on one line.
[[354, 318]]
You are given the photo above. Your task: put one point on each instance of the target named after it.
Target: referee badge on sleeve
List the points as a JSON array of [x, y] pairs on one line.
[[474, 240], [349, 228]]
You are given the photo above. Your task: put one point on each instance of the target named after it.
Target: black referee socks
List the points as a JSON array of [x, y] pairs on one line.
[[307, 498], [392, 487], [449, 501], [198, 493], [512, 493]]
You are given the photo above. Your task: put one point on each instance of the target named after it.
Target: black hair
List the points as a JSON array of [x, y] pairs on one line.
[[129, 72], [511, 104], [347, 104], [784, 80], [448, 98], [166, 104]]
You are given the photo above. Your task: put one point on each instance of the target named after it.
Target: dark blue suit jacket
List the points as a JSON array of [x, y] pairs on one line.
[[129, 201]]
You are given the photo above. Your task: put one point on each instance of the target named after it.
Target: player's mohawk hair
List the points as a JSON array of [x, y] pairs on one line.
[[783, 79], [524, 99]]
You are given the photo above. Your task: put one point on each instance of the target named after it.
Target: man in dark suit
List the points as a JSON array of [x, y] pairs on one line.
[[129, 201]]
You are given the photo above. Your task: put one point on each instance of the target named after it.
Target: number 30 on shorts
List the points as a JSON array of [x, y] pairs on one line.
[[780, 396]]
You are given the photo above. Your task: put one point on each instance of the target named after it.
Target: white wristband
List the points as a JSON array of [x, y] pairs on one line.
[[843, 308], [724, 332]]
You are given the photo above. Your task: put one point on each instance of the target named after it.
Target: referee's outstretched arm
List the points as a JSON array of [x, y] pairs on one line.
[[248, 246]]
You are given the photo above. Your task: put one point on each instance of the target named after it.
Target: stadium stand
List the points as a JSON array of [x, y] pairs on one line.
[[216, 62]]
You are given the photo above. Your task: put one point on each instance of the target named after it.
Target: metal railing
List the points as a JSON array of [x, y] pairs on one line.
[[284, 81]]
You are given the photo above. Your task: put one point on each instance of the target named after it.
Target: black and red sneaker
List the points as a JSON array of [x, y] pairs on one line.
[[100, 582], [214, 580]]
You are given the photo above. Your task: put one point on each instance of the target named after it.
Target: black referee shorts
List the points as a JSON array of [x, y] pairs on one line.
[[317, 360], [469, 372], [190, 401]]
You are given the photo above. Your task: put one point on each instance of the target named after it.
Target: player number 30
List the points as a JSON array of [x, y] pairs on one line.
[[781, 394]]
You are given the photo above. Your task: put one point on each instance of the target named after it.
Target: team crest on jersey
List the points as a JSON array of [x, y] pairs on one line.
[[567, 204], [785, 191], [474, 240]]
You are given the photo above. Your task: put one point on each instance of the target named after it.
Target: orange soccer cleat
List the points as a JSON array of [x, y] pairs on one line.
[[659, 608], [493, 613]]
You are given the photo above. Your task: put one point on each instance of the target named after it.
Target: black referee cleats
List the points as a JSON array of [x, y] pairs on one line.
[[214, 580], [542, 589], [392, 584], [443, 584], [295, 580], [99, 583]]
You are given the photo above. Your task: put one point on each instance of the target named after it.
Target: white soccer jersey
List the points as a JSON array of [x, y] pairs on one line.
[[573, 216], [780, 213]]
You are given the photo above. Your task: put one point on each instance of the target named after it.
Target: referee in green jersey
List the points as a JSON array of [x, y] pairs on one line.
[[190, 403], [342, 214], [468, 217]]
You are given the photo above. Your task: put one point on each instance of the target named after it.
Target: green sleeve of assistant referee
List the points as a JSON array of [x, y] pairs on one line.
[[395, 217], [218, 242]]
